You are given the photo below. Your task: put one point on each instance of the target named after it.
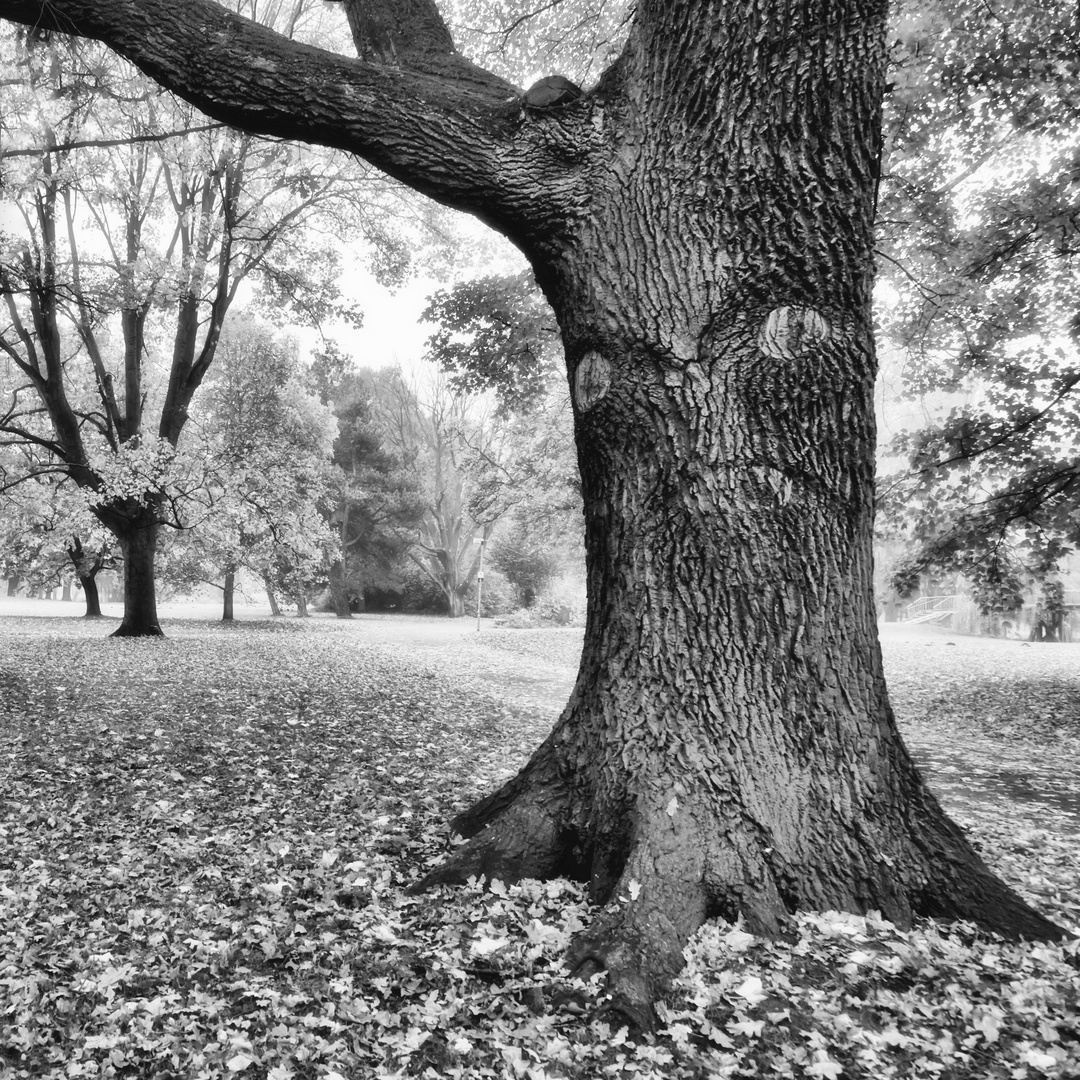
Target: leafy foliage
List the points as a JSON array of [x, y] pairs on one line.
[[124, 256], [979, 213], [576, 38], [496, 334], [264, 442], [527, 561], [216, 884], [377, 503]]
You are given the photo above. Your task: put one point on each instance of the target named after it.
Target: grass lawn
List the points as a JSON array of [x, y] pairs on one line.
[[204, 845]]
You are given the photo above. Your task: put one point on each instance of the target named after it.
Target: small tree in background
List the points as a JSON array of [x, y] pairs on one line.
[[264, 442], [458, 450], [374, 505], [497, 337], [526, 558], [48, 535]]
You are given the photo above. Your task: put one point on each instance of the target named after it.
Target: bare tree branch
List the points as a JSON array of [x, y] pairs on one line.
[[82, 144]]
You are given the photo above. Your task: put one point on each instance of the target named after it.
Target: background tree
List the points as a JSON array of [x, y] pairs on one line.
[[377, 504], [265, 444], [455, 449], [497, 336], [701, 223], [88, 562], [33, 536], [980, 207], [131, 245], [48, 537], [528, 562]]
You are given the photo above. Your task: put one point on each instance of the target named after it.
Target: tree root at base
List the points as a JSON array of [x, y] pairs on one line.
[[675, 871]]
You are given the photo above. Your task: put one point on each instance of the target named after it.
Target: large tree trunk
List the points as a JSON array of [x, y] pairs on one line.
[[729, 748], [138, 543]]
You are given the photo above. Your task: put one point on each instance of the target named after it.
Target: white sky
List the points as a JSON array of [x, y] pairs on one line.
[[392, 333]]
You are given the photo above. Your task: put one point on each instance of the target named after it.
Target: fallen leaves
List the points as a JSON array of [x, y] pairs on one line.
[[205, 845]]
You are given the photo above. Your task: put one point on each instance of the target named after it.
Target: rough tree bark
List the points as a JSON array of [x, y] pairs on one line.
[[701, 222]]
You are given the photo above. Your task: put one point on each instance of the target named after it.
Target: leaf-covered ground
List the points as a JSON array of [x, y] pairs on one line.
[[205, 843]]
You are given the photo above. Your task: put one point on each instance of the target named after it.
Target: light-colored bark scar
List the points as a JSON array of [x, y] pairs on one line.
[[592, 380], [790, 332]]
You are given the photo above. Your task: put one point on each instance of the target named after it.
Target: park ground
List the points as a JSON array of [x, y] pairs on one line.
[[205, 845]]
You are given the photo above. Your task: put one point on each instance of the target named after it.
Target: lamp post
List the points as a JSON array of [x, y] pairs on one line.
[[480, 580]]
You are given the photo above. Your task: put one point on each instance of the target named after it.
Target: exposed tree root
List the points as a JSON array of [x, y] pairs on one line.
[[531, 839], [961, 886], [681, 866], [658, 904]]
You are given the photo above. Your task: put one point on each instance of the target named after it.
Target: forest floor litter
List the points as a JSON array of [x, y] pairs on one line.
[[205, 844]]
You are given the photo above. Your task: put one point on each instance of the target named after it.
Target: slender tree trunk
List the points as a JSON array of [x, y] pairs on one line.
[[138, 543], [228, 593], [302, 607], [13, 585], [66, 593], [339, 593], [271, 596]]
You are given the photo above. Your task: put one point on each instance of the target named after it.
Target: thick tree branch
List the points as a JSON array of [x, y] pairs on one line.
[[442, 125], [410, 32]]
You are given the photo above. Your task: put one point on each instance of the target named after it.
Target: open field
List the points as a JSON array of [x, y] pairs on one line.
[[204, 844]]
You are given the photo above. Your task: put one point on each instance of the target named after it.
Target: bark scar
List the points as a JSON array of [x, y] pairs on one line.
[[592, 380], [791, 331]]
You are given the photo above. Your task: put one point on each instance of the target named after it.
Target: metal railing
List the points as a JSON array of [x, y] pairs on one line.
[[929, 608]]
